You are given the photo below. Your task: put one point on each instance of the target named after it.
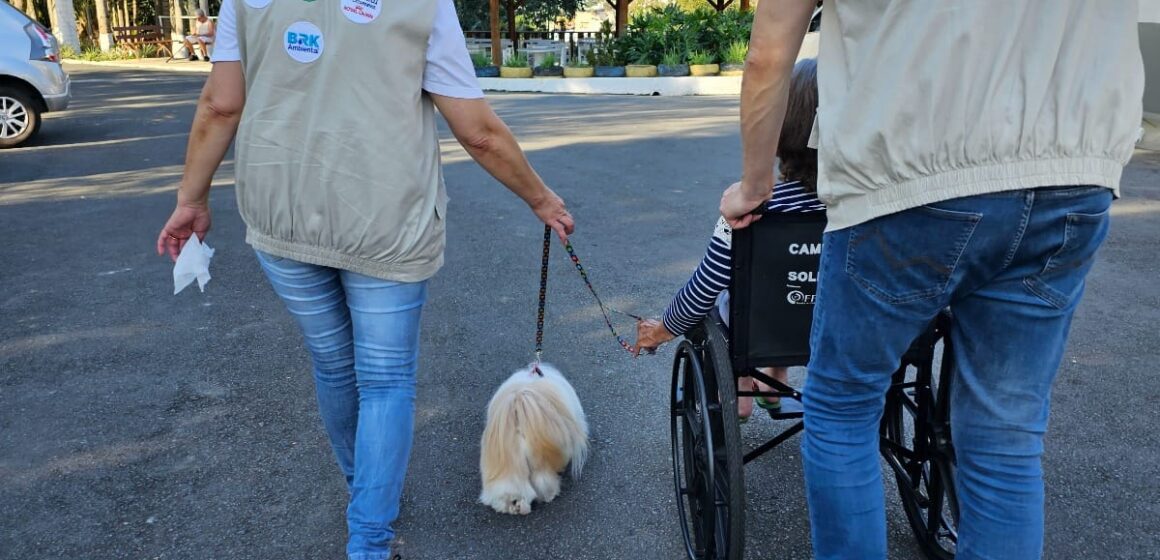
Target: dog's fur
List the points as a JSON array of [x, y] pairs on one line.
[[535, 427]]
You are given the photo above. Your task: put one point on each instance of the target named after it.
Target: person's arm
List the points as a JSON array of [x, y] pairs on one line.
[[212, 29], [214, 125], [490, 143], [778, 29], [696, 299]]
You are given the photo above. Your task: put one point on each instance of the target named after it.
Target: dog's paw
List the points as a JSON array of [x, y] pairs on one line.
[[512, 505], [547, 485]]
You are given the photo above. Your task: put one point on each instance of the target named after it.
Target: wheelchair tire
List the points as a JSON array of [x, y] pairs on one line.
[[706, 441], [923, 469]]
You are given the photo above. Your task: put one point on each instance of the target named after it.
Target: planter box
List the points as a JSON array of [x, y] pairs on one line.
[[579, 71], [704, 69], [509, 72], [640, 71], [609, 72], [552, 72], [487, 72], [673, 71], [732, 69]]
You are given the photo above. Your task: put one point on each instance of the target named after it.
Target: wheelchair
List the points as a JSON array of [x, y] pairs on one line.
[[774, 262]]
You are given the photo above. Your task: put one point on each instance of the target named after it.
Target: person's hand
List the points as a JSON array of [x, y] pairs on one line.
[[737, 206], [188, 219], [550, 210], [650, 334]]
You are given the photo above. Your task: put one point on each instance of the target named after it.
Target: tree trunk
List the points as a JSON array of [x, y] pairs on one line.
[[104, 38], [177, 26], [64, 23], [745, 5], [622, 16], [496, 44], [511, 13]]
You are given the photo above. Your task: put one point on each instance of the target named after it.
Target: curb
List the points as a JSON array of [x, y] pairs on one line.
[[177, 67], [682, 86]]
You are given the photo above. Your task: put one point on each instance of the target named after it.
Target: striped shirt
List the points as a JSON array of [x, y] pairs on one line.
[[712, 276]]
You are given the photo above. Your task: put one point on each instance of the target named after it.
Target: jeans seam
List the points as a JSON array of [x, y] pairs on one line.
[[1024, 221]]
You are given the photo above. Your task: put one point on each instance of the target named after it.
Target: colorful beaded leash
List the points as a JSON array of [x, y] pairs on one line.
[[604, 310], [543, 300]]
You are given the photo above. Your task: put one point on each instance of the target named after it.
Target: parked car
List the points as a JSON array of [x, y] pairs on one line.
[[32, 81]]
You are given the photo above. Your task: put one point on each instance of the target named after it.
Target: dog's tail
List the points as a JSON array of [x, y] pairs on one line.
[[533, 421]]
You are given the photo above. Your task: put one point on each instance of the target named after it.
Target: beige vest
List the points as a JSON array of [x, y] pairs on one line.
[[337, 152], [929, 100]]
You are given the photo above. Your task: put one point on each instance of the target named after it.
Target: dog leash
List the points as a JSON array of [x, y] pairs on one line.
[[604, 310], [543, 301]]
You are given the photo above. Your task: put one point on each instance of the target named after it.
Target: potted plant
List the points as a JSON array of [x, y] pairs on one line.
[[579, 68], [483, 66], [672, 65], [548, 68], [607, 55], [645, 42], [734, 58], [516, 66], [701, 64]]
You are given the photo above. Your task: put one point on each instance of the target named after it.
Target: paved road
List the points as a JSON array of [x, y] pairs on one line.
[[136, 424]]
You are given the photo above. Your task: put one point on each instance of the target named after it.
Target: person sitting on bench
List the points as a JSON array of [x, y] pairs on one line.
[[203, 35], [794, 193]]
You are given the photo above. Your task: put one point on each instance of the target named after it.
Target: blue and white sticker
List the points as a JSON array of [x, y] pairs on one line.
[[303, 42], [362, 11], [258, 4]]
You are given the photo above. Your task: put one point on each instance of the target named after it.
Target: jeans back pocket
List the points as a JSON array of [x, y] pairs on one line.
[[1061, 281], [911, 255]]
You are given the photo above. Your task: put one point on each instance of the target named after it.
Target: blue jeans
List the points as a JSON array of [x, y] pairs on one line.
[[363, 338], [1011, 266]]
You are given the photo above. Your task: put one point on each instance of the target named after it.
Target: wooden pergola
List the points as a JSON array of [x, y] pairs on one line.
[[621, 7]]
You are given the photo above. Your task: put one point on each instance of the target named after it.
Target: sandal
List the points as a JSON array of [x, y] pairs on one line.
[[768, 405]]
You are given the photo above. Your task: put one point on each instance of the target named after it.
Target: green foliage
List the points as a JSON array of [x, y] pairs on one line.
[[656, 32], [579, 62], [549, 61], [673, 58], [701, 57], [517, 61], [66, 51], [535, 15], [480, 60], [736, 52], [609, 49]]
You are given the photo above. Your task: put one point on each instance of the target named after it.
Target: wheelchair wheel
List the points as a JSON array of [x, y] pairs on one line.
[[707, 458], [915, 443]]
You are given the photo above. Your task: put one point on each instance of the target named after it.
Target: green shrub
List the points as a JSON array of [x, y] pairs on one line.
[[66, 51], [517, 61], [579, 62], [549, 61], [672, 58], [480, 60], [609, 49], [736, 52], [700, 58]]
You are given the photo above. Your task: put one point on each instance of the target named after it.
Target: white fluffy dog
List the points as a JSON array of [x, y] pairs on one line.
[[535, 427]]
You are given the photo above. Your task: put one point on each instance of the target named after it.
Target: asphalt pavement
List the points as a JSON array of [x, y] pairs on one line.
[[141, 425]]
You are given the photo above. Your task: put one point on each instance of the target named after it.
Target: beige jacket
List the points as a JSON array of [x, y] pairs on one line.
[[928, 100], [337, 153]]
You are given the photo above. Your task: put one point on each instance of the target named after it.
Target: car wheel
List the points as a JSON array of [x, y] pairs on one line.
[[19, 117]]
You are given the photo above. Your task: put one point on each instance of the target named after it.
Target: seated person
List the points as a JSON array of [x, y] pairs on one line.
[[203, 35], [794, 193]]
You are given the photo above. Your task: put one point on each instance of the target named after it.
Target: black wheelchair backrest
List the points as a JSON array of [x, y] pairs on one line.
[[775, 279]]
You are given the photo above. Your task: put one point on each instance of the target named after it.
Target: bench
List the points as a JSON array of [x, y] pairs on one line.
[[138, 36]]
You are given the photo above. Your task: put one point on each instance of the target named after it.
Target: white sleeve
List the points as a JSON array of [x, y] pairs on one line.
[[225, 44], [449, 70]]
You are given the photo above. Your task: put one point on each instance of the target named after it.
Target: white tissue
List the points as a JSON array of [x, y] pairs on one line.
[[192, 264]]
